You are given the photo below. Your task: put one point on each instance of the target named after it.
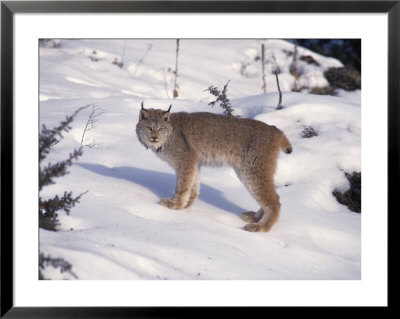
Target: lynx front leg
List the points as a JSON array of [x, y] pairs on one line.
[[186, 175]]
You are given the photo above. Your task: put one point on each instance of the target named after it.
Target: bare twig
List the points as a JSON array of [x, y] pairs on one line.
[[275, 70], [90, 123], [149, 46]]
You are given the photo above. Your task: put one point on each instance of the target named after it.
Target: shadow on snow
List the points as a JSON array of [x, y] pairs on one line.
[[161, 184]]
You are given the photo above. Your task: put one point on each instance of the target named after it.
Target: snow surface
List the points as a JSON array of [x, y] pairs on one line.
[[120, 231]]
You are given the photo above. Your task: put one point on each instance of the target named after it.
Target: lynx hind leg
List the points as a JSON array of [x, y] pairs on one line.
[[260, 183], [186, 176], [252, 217], [266, 196]]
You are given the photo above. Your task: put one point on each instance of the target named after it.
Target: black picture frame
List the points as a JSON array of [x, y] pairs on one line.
[[9, 8]]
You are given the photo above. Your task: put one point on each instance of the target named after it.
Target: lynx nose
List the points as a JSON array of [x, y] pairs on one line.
[[154, 138]]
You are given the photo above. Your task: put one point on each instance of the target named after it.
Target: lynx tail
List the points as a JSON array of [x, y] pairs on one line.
[[285, 144]]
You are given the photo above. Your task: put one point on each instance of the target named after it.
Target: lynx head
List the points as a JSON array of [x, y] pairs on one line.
[[154, 127]]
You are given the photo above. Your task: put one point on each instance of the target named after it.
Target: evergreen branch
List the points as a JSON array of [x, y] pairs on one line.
[[58, 169], [50, 137], [45, 261], [222, 98], [48, 217]]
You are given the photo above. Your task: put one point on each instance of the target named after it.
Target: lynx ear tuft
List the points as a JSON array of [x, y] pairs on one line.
[[169, 109], [143, 107]]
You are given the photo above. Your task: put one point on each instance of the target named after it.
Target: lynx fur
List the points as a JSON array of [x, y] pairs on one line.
[[188, 141]]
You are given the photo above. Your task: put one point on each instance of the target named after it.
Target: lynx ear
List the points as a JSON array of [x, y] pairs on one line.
[[166, 114], [143, 112]]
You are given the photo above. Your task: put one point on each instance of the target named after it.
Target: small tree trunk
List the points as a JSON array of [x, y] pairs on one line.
[[175, 92], [264, 86]]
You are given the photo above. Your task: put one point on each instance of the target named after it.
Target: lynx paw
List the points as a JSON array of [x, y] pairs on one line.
[[170, 203], [251, 227], [249, 217]]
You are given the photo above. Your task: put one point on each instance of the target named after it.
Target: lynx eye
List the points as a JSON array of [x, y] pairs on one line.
[[161, 129], [149, 128]]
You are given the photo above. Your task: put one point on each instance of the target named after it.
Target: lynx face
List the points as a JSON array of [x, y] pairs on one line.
[[154, 127]]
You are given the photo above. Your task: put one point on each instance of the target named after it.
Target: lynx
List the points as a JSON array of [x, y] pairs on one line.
[[188, 141]]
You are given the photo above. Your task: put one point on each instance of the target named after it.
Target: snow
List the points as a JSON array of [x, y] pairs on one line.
[[119, 230]]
